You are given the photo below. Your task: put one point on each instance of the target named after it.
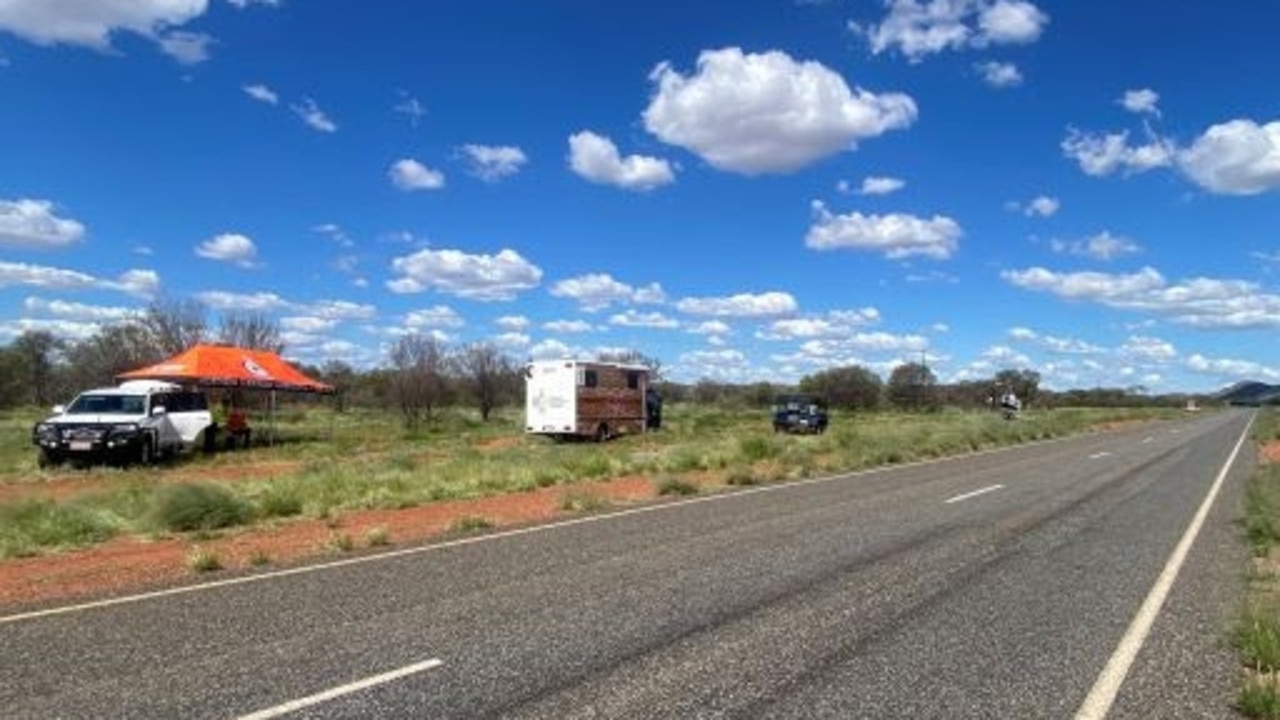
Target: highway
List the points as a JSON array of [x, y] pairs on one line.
[[1090, 577]]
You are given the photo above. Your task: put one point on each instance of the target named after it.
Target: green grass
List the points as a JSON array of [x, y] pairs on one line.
[[199, 506], [363, 459], [1256, 635], [29, 526], [1259, 698], [676, 486]]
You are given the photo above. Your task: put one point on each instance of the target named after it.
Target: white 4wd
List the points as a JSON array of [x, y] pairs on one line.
[[139, 421]]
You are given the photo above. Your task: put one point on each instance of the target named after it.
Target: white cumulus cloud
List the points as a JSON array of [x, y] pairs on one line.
[[33, 224], [1144, 100], [596, 291], [1198, 302], [769, 304], [919, 28], [229, 247], [1000, 75], [755, 113], [492, 163], [454, 272], [1238, 157], [896, 235], [409, 174], [1105, 154], [597, 159]]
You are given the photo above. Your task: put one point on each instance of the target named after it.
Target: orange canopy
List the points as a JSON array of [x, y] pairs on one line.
[[226, 366]]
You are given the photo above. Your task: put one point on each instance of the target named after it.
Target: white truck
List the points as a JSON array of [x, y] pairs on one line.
[[575, 399], [137, 422]]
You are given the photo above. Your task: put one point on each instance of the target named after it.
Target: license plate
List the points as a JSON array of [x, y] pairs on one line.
[[81, 445]]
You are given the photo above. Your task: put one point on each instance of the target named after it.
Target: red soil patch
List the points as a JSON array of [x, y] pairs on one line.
[[133, 564], [1269, 452]]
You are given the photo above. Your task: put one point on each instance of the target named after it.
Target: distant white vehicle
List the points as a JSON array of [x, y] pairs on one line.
[[1010, 405], [574, 399], [137, 422]]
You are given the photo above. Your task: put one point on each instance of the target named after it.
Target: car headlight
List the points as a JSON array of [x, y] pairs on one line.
[[46, 431], [124, 429]]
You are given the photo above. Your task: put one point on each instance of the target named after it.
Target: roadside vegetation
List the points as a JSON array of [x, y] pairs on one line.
[[1257, 634], [322, 463]]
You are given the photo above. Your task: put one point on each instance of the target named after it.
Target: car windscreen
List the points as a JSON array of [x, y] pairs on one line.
[[92, 404]]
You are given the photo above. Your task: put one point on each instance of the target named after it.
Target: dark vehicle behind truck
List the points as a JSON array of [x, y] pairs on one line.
[[799, 413]]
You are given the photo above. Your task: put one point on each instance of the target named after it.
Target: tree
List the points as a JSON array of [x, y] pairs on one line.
[[38, 352], [114, 349], [912, 385], [252, 330], [13, 388], [634, 357], [418, 377], [175, 325], [1023, 383], [489, 376], [343, 379], [850, 388]]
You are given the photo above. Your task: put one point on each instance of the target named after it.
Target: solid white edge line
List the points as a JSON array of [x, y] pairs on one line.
[[975, 493], [1105, 689], [327, 695]]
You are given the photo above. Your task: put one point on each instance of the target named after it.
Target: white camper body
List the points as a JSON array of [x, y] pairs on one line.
[[577, 399]]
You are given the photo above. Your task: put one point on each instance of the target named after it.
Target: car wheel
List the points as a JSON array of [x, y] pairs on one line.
[[47, 459]]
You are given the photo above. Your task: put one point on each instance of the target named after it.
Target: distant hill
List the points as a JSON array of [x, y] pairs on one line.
[[1248, 392]]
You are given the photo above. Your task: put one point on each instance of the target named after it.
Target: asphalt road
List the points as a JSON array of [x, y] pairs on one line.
[[992, 586]]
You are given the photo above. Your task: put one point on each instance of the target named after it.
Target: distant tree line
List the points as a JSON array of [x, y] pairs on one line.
[[424, 374]]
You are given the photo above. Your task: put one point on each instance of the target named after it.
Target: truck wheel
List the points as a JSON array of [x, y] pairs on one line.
[[47, 459]]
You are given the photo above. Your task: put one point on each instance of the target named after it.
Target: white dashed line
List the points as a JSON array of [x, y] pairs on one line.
[[327, 695], [1099, 456], [975, 493]]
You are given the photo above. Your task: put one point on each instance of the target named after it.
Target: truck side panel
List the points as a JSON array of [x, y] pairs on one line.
[[551, 398]]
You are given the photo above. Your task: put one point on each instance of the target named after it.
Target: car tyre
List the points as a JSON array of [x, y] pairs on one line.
[[47, 459]]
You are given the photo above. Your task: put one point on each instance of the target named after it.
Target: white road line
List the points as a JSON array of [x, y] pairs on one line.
[[1107, 686], [975, 493], [1099, 456], [327, 695], [1147, 439]]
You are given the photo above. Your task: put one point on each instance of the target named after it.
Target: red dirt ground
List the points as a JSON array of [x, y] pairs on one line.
[[1269, 452], [129, 564]]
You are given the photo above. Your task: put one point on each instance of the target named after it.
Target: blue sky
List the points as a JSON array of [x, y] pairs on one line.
[[744, 190]]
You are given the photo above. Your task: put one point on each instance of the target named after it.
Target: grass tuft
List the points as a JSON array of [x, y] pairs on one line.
[[1259, 698], [203, 560], [471, 523], [676, 486], [201, 506], [378, 536]]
